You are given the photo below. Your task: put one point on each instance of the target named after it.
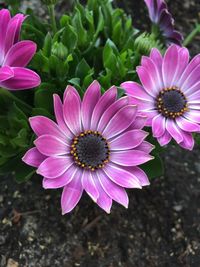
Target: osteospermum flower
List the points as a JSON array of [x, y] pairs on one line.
[[15, 54], [95, 146], [170, 95], [159, 15]]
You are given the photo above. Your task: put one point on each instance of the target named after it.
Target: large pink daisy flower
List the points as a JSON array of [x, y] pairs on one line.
[[95, 146], [159, 15], [15, 54], [170, 95]]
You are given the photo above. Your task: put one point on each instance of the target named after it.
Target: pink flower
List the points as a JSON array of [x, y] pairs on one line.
[[15, 54], [159, 15], [170, 95], [95, 146]]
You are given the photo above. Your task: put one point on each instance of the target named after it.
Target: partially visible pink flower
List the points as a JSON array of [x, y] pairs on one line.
[[159, 15], [96, 145], [15, 55], [170, 95]]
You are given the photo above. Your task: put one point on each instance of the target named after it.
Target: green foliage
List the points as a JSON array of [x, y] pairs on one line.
[[95, 41], [15, 136], [154, 168]]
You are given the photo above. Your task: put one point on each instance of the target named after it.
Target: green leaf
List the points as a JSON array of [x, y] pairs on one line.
[[41, 112], [69, 38], [100, 24], [19, 169], [47, 45], [23, 172], [117, 32], [21, 140], [75, 82], [60, 51], [82, 69], [64, 21], [44, 97], [109, 58], [81, 32], [40, 62], [105, 79], [58, 68], [154, 168], [88, 79]]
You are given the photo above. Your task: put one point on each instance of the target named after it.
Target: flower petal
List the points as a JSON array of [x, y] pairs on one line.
[[42, 125], [130, 157], [138, 123], [187, 125], [50, 145], [20, 54], [121, 177], [154, 72], [156, 56], [128, 140], [164, 139], [140, 174], [146, 147], [104, 102], [5, 73], [58, 109], [90, 99], [188, 70], [23, 79], [33, 157], [120, 121], [13, 31], [174, 131], [183, 60], [60, 181], [89, 185], [4, 21], [150, 114], [21, 19], [193, 94], [110, 112], [117, 193], [158, 125], [192, 79], [135, 90], [54, 167], [193, 115], [188, 141], [72, 194], [169, 67], [104, 201], [72, 111], [147, 82]]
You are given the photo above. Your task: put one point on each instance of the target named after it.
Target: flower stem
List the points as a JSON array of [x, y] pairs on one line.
[[192, 35], [52, 17], [155, 31]]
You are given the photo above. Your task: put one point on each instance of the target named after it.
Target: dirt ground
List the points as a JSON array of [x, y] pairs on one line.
[[161, 228]]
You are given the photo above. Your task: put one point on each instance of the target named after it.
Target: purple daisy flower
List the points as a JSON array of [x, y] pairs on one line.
[[170, 96], [159, 15], [96, 146], [15, 54]]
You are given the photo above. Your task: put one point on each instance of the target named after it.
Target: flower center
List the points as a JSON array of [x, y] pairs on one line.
[[171, 102], [90, 150]]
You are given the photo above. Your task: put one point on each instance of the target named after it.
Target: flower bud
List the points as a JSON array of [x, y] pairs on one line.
[[60, 50]]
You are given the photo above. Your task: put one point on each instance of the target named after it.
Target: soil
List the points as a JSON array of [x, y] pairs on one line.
[[160, 228]]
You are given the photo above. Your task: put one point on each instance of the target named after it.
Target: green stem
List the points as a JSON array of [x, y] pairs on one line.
[[155, 31], [192, 35], [26, 107], [52, 17]]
